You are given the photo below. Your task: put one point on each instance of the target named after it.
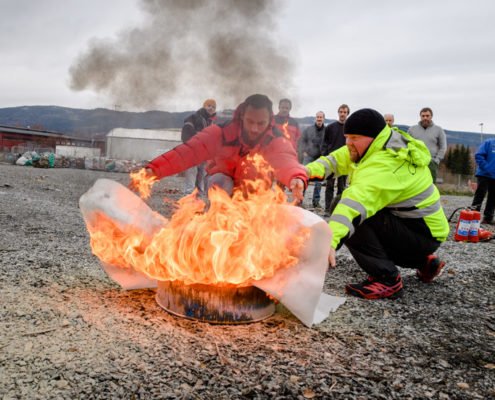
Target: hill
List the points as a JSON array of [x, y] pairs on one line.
[[87, 123], [99, 121]]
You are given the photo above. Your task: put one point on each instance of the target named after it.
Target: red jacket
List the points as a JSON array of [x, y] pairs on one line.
[[226, 150]]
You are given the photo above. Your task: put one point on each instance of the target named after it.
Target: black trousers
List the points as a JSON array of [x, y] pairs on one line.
[[384, 241], [485, 185], [329, 189]]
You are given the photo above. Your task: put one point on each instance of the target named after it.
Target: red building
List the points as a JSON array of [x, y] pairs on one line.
[[12, 138]]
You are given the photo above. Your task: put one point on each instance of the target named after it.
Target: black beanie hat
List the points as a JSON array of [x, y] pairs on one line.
[[366, 122]]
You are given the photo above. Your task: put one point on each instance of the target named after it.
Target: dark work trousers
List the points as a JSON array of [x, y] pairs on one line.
[[341, 180], [384, 241], [485, 185]]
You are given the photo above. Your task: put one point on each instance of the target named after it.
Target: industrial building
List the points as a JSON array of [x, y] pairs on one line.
[[140, 144]]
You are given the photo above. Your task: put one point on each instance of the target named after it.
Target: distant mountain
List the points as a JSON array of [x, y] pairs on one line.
[[87, 123], [98, 122]]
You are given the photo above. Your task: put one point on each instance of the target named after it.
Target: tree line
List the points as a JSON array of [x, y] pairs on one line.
[[459, 160]]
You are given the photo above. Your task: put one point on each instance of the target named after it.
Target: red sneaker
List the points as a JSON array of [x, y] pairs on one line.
[[372, 288], [431, 269]]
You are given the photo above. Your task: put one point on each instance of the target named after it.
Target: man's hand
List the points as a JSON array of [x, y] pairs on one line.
[[297, 189], [331, 258]]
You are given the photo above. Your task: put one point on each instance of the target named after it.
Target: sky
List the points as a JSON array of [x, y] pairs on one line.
[[393, 56]]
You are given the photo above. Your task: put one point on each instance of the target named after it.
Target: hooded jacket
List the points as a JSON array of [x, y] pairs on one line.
[[227, 151], [485, 159], [393, 174]]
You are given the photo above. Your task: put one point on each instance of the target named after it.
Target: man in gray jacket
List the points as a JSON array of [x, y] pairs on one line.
[[433, 136], [310, 145]]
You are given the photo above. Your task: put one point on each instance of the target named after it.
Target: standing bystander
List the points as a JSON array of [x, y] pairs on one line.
[[310, 147], [389, 119], [195, 176], [334, 139], [485, 174], [433, 136]]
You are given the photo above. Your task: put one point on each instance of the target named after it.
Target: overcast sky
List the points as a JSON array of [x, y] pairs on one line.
[[394, 56]]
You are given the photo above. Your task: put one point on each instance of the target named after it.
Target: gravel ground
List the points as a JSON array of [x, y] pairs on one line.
[[68, 332]]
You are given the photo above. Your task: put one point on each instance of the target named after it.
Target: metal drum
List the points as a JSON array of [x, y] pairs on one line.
[[223, 304]]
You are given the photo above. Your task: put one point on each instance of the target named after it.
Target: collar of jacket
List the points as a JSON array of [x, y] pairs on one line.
[[377, 144], [411, 149]]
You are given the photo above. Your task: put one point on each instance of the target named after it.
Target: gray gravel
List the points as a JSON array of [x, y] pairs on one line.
[[68, 332]]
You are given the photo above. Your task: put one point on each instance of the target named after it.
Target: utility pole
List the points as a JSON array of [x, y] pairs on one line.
[[481, 132]]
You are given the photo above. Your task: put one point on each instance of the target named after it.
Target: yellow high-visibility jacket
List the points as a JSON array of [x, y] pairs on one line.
[[393, 174]]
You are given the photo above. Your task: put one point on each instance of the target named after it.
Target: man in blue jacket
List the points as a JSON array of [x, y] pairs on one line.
[[485, 174]]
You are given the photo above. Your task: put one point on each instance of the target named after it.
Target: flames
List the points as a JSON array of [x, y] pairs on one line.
[[142, 181], [231, 240], [285, 127]]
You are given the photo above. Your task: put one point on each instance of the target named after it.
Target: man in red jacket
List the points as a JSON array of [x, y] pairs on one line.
[[251, 131]]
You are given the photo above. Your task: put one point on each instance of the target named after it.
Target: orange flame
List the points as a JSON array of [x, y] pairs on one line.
[[234, 240], [285, 126], [142, 181]]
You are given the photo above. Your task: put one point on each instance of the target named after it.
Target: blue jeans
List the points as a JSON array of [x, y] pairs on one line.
[[222, 181], [195, 178], [317, 187]]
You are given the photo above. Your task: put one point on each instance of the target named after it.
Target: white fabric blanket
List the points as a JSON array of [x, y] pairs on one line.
[[299, 288]]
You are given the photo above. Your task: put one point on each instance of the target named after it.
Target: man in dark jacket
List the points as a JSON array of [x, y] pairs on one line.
[[194, 177], [333, 140], [310, 147], [230, 147]]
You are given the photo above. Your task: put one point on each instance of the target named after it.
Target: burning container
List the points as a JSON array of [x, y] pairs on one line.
[[217, 304]]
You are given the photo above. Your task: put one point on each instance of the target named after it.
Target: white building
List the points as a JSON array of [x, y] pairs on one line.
[[140, 144], [77, 151]]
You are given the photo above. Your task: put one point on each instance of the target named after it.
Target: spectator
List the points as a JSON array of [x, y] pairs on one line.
[[194, 176], [391, 212], [250, 132], [310, 147], [433, 136], [389, 119], [288, 125], [485, 175], [334, 139]]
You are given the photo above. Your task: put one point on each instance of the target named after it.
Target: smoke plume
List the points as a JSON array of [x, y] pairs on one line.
[[190, 49]]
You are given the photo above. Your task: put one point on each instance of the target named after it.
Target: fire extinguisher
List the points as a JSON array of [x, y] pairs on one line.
[[463, 227], [474, 227]]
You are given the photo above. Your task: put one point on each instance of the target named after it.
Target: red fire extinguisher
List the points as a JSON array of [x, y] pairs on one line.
[[463, 226], [474, 227]]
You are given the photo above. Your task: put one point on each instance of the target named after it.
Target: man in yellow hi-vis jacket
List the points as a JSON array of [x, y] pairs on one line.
[[390, 215]]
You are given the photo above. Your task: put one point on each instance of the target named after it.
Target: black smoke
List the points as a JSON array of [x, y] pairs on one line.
[[225, 49]]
